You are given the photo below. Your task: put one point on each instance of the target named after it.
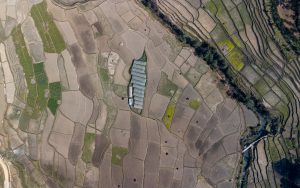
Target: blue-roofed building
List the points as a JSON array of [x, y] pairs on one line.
[[137, 83]]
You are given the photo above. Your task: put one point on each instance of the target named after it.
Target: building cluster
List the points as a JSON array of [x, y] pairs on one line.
[[137, 85]]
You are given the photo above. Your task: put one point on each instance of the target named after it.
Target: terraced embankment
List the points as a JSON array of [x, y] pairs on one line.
[[242, 34], [189, 130]]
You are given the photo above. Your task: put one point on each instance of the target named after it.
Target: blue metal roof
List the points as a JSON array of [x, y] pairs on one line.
[[138, 70], [138, 79], [140, 67], [138, 74], [138, 86], [139, 62], [138, 102], [138, 82], [138, 97], [138, 106], [138, 93]]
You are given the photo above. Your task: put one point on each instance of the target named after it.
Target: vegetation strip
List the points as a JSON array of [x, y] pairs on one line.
[[118, 153], [51, 37], [89, 142], [289, 37], [55, 96], [36, 79], [169, 114]]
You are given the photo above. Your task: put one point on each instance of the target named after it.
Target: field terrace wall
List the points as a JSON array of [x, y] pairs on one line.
[[264, 59]]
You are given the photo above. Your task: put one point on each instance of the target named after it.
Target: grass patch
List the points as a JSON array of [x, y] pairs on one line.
[[53, 105], [55, 90], [214, 6], [244, 13], [26, 63], [118, 153], [261, 87], [120, 90], [218, 33], [104, 74], [227, 45], [273, 152], [169, 114], [42, 85], [237, 41], [55, 96], [166, 87], [88, 147], [289, 143], [236, 59], [237, 19], [194, 104], [283, 108], [26, 177], [36, 79], [50, 35], [24, 120]]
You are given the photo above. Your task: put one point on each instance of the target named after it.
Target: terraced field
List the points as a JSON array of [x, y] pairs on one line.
[[221, 100], [254, 48]]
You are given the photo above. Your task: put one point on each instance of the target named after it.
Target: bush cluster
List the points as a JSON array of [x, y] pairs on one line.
[[288, 34]]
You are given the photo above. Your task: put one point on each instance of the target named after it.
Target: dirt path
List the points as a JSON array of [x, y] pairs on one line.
[[6, 173]]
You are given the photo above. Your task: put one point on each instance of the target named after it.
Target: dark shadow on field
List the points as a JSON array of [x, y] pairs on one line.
[[76, 143], [85, 82], [101, 145], [289, 172]]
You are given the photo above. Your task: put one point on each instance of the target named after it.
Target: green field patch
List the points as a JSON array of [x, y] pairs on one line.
[[261, 87], [55, 90], [214, 6], [218, 33], [53, 105], [24, 120], [226, 45], [50, 35], [120, 90], [244, 13], [55, 95], [21, 50], [194, 104], [36, 79], [237, 41], [27, 179], [42, 86], [236, 59], [227, 23], [273, 152], [104, 76], [118, 153], [283, 108], [166, 87], [237, 19], [290, 144], [88, 147], [169, 114]]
